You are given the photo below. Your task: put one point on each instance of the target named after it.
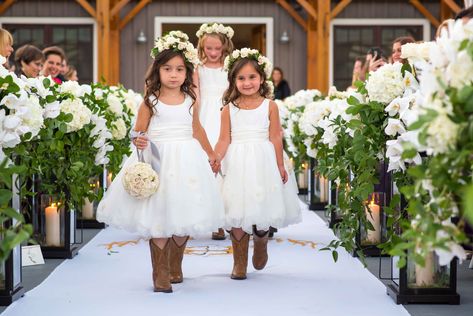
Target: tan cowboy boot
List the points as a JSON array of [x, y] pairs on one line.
[[175, 260], [219, 235], [160, 262], [260, 250], [240, 256]]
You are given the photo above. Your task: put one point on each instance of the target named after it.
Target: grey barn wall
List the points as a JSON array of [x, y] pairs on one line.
[[42, 8], [135, 58]]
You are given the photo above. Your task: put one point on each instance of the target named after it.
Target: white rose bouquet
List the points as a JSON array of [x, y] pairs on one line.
[[140, 180]]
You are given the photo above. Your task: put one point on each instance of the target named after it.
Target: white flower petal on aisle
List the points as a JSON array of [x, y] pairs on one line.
[[298, 280]]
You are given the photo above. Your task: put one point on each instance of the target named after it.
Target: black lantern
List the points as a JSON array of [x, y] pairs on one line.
[[431, 283], [87, 217], [303, 178], [332, 205], [54, 224], [368, 240], [318, 189], [11, 287]]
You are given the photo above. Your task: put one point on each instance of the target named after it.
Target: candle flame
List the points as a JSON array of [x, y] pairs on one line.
[[53, 205]]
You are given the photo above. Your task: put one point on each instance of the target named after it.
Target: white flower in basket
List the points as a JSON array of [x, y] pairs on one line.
[[140, 180]]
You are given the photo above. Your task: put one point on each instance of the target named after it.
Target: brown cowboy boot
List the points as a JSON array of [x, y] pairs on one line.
[[219, 235], [175, 260], [260, 250], [240, 256], [160, 262]]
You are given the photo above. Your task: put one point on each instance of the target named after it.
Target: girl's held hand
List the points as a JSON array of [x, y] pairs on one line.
[[283, 173], [141, 142]]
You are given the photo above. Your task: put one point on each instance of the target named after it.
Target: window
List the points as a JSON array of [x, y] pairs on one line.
[[75, 39], [352, 41]]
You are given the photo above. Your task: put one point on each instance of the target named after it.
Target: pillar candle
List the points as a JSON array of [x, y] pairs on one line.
[[302, 177], [425, 276], [87, 209], [53, 237], [374, 236]]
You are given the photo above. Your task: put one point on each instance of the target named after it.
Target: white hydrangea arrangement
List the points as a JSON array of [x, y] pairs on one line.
[[140, 180], [177, 41], [386, 83], [81, 114], [210, 28]]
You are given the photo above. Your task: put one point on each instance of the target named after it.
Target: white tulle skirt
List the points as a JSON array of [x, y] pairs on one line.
[[188, 201], [253, 191], [210, 117]]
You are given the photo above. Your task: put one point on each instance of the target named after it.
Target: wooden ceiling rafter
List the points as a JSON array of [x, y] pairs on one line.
[[293, 13], [133, 13], [88, 7], [309, 8], [339, 8], [5, 5], [425, 12]]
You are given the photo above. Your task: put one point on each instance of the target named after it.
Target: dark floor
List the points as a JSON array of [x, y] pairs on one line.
[[34, 275]]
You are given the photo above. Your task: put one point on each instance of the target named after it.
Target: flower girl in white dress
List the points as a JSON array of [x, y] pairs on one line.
[[188, 200], [255, 192], [215, 43]]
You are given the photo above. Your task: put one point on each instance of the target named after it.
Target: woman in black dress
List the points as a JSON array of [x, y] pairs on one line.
[[281, 87]]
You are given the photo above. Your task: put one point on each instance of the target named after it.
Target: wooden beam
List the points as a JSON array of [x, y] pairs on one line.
[[452, 5], [118, 6], [87, 7], [445, 11], [5, 5], [425, 12], [322, 47], [339, 8], [308, 7], [114, 62], [289, 9], [133, 13]]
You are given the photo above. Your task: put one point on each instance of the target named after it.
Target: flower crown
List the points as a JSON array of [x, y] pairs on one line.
[[208, 28], [179, 42], [254, 54]]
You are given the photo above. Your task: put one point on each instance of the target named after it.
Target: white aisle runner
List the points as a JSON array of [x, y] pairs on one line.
[[298, 280]]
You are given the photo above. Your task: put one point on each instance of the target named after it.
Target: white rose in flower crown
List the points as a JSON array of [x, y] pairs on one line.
[[119, 129], [385, 84], [114, 104], [140, 180], [80, 114]]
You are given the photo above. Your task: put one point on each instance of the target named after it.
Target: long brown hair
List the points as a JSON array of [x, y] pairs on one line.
[[153, 81], [227, 46], [232, 93]]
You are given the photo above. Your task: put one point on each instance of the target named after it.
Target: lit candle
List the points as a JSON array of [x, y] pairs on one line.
[[52, 226], [87, 209], [109, 179], [374, 236], [323, 189], [303, 177]]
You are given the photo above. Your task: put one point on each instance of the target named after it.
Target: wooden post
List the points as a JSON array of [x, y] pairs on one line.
[[114, 54], [312, 41], [318, 76]]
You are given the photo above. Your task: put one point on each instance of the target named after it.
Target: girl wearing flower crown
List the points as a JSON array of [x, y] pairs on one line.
[[188, 200], [255, 192], [215, 43]]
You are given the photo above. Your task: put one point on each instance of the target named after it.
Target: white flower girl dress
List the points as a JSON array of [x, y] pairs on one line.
[[253, 192], [188, 200]]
